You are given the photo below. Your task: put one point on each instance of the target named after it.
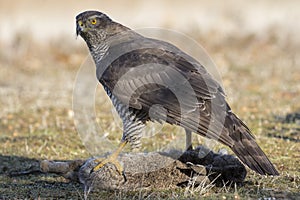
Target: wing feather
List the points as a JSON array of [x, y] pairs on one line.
[[165, 75]]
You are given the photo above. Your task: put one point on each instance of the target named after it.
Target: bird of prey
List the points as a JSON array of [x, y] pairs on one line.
[[139, 72]]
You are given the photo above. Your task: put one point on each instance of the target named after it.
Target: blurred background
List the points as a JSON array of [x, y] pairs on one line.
[[50, 19], [34, 34], [254, 44]]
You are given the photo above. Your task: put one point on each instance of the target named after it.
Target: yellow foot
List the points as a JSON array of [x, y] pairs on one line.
[[112, 159], [103, 161]]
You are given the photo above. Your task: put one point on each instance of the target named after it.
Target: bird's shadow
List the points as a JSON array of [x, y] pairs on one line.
[[9, 165], [21, 178]]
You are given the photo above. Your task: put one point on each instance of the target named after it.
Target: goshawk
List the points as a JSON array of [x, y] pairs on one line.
[[138, 72]]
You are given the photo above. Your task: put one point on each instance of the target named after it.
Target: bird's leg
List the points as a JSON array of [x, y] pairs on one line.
[[188, 140], [112, 159]]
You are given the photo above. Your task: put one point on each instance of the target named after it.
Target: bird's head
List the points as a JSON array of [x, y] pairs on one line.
[[92, 25], [100, 32]]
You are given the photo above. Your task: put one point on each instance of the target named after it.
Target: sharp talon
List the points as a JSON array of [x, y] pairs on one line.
[[111, 159], [103, 162], [190, 148], [124, 176]]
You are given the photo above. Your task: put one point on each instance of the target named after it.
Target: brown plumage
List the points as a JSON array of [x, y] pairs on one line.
[[139, 72]]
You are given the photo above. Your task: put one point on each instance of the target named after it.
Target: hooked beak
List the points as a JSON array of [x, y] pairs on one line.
[[79, 28]]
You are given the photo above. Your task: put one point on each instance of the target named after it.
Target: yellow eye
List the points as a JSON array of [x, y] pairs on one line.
[[93, 21]]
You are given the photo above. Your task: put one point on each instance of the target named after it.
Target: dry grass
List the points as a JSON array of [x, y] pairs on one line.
[[260, 75]]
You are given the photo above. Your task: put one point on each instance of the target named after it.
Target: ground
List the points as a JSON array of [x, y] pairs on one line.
[[260, 76]]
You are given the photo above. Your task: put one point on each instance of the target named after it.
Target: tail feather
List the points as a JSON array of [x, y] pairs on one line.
[[245, 147]]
